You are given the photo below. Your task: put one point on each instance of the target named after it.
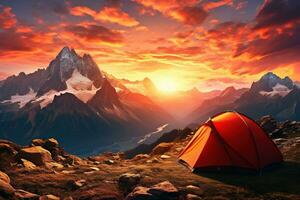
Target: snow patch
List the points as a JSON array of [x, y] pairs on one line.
[[79, 82], [22, 100], [278, 89], [79, 85]]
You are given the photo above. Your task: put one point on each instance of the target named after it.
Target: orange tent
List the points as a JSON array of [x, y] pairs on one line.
[[230, 139]]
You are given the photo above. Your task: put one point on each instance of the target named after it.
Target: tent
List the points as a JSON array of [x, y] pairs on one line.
[[230, 140]]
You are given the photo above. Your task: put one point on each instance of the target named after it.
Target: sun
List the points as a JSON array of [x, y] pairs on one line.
[[166, 85]]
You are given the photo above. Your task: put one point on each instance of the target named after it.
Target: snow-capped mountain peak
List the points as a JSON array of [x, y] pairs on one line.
[[269, 81]]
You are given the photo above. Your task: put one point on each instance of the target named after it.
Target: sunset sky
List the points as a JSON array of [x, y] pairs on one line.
[[210, 44]]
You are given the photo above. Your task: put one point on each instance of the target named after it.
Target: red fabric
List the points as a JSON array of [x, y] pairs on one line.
[[230, 139]]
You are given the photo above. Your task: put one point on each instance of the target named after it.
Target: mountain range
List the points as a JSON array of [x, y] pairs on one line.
[[73, 101], [270, 95], [86, 108]]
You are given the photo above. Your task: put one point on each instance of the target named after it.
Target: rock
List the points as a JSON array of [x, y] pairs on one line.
[[24, 195], [140, 193], [192, 197], [127, 182], [49, 197], [108, 162], [50, 144], [38, 142], [6, 190], [68, 171], [54, 165], [194, 190], [73, 185], [141, 156], [4, 177], [164, 190], [162, 148], [37, 155], [27, 164], [74, 160], [95, 168], [179, 149], [268, 123], [165, 157], [154, 160], [8, 154]]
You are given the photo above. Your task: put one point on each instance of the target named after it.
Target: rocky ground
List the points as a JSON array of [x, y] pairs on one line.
[[44, 171]]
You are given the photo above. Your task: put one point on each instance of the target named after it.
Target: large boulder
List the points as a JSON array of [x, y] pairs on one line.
[[37, 155], [162, 148], [164, 190], [140, 193], [4, 177], [49, 197], [268, 123], [51, 145], [127, 182], [6, 190], [27, 164], [8, 152]]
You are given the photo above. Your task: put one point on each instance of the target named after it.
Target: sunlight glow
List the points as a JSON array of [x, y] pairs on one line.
[[166, 85]]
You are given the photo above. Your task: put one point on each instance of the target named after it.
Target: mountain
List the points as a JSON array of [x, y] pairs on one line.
[[270, 95], [73, 101], [214, 105], [62, 68]]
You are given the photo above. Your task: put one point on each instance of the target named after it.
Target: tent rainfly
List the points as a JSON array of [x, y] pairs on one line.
[[233, 140]]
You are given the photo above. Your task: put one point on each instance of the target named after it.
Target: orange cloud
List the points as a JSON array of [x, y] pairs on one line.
[[183, 11], [7, 18], [107, 14], [216, 4], [190, 15], [82, 11]]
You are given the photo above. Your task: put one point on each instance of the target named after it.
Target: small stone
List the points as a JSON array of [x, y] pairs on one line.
[[49, 197], [141, 156], [154, 160], [109, 162], [165, 157], [76, 184], [95, 168], [24, 195], [54, 165], [194, 190], [192, 197]]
